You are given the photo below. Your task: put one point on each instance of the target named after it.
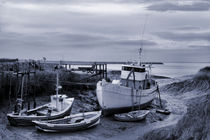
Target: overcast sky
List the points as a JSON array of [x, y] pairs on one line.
[[105, 30]]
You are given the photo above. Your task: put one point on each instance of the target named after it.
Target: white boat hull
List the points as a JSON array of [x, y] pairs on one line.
[[114, 98]]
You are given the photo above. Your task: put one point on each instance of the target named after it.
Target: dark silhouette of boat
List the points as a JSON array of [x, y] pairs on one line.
[[74, 122]]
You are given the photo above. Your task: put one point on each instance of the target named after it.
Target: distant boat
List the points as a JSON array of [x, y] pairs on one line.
[[124, 95], [132, 116], [74, 122], [59, 107]]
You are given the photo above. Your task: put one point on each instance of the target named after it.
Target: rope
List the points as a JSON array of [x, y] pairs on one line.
[[158, 91], [132, 95]]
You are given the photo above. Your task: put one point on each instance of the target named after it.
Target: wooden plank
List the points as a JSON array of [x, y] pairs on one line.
[[93, 62]]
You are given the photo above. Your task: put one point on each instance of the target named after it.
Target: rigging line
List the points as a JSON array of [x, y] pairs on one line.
[[144, 27]]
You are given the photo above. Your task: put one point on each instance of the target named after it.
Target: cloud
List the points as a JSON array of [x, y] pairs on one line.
[[83, 7], [186, 36], [186, 27], [100, 29], [203, 47], [169, 6], [134, 43]]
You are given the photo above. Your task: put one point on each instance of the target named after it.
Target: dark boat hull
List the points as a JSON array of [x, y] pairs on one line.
[[163, 111], [133, 116], [19, 120], [50, 127]]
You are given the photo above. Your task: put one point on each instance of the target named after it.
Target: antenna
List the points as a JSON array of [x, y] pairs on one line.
[[141, 44], [57, 84]]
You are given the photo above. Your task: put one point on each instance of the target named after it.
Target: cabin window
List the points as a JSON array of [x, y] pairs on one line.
[[127, 68], [139, 70], [135, 69]]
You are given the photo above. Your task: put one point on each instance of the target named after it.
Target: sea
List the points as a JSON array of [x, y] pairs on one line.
[[171, 70]]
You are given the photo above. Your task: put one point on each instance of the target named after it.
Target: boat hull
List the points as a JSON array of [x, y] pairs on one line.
[[111, 111], [24, 120], [114, 98], [133, 116], [54, 126]]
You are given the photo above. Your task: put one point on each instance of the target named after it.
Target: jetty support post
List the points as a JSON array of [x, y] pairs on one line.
[[2, 86], [106, 71], [96, 69], [100, 70], [103, 70]]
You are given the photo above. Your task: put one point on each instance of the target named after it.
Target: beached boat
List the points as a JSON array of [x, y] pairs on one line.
[[124, 95], [60, 106], [132, 116], [45, 112], [163, 111], [74, 122]]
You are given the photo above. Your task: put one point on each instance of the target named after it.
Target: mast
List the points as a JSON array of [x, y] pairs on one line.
[[57, 87], [141, 43], [22, 85], [140, 51]]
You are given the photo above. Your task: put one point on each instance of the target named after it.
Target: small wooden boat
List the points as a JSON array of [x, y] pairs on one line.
[[163, 111], [132, 116], [57, 108], [74, 122]]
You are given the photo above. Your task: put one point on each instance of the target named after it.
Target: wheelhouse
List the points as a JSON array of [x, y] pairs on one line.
[[136, 76]]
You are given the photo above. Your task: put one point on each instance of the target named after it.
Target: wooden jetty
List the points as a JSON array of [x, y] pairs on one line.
[[93, 67], [9, 83]]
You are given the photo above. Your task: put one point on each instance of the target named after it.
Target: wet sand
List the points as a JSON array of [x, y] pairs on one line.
[[108, 127]]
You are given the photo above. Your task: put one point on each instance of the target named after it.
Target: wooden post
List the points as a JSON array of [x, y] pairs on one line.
[[106, 71], [96, 68], [159, 97], [2, 86], [22, 85], [34, 89], [28, 89], [103, 70], [100, 70], [10, 88]]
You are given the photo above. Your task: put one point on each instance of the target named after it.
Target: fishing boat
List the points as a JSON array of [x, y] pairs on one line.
[[74, 122], [123, 95], [132, 116], [59, 107]]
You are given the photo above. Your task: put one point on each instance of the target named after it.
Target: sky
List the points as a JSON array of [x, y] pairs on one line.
[[105, 30]]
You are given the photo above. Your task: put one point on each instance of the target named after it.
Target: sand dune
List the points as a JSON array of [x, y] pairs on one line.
[[195, 124]]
